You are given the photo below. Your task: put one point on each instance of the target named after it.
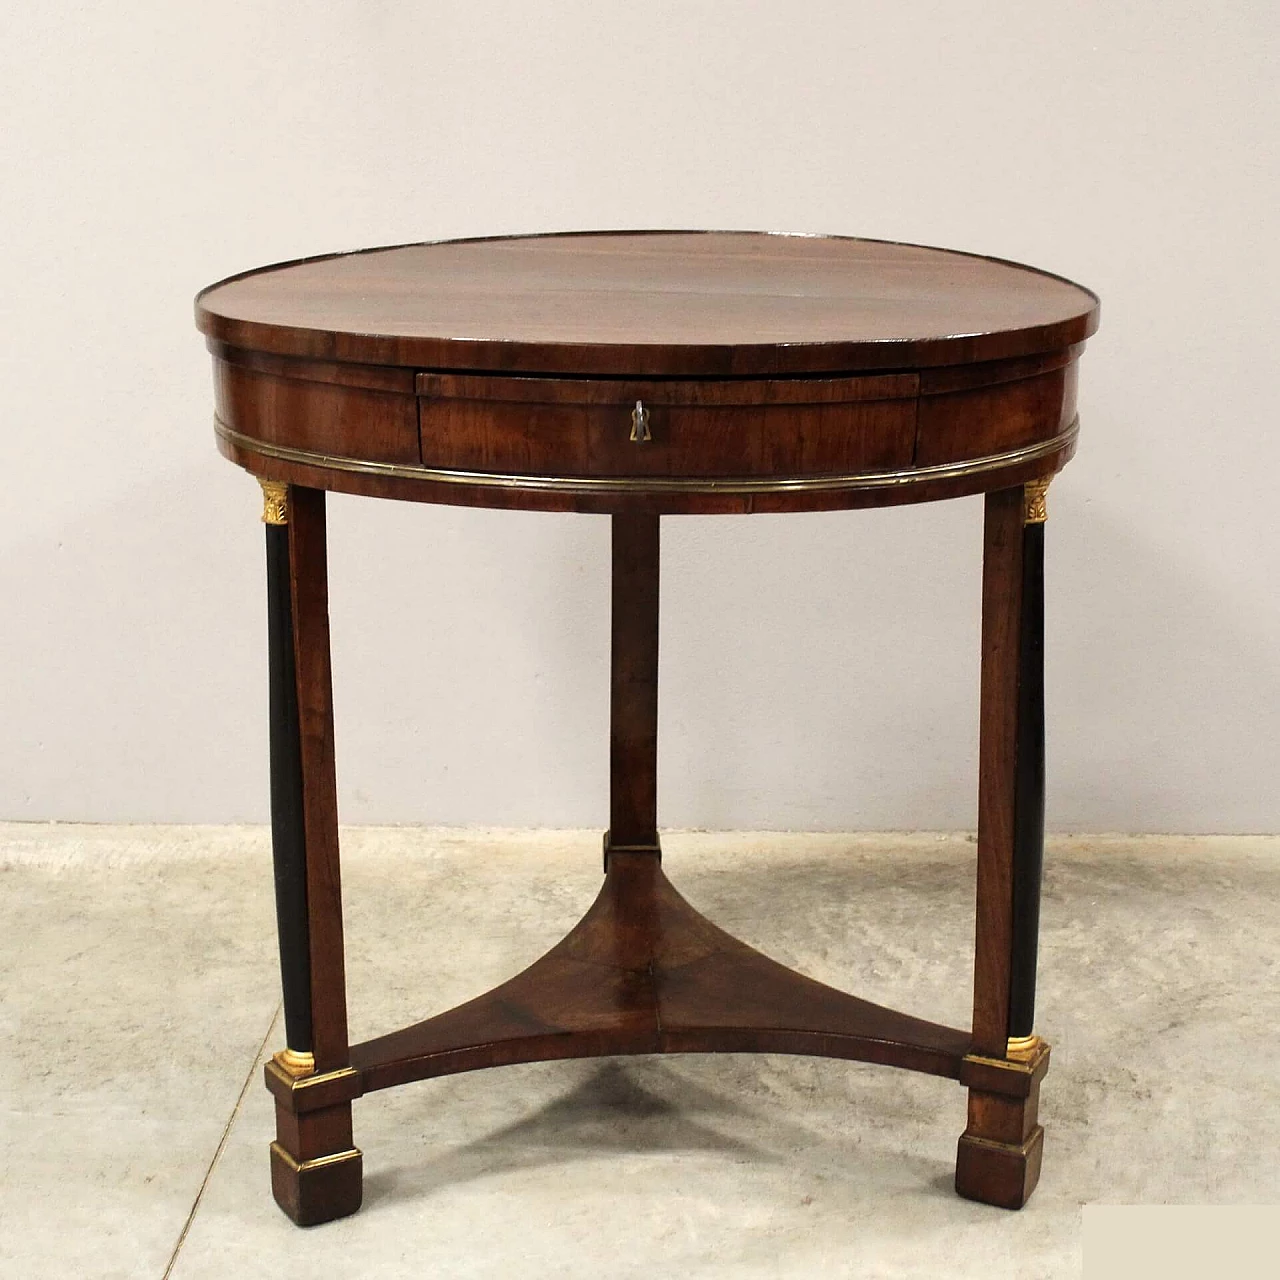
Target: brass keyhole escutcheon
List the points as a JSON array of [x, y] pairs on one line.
[[640, 423]]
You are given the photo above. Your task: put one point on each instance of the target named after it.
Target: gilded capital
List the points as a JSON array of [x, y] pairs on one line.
[[275, 502], [1035, 510]]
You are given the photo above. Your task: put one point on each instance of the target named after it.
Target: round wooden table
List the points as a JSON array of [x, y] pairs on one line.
[[648, 374]]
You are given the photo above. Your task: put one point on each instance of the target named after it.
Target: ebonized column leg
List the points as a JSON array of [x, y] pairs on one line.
[[315, 1169], [633, 707], [1028, 849], [999, 1154], [288, 845]]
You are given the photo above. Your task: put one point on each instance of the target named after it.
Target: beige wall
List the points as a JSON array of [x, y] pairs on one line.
[[820, 671]]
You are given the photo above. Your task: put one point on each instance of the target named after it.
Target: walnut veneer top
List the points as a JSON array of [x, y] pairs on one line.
[[685, 304]]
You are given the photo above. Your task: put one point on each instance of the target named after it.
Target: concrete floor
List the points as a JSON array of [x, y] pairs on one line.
[[138, 998]]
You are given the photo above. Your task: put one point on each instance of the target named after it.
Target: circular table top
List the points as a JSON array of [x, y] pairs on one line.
[[651, 303]]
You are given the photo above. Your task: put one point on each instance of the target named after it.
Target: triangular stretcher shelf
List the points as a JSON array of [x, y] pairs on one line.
[[643, 972]]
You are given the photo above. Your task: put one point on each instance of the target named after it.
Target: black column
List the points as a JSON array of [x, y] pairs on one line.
[[1028, 849], [288, 841]]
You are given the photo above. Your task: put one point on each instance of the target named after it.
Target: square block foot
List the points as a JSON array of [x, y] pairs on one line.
[[999, 1173], [319, 1190]]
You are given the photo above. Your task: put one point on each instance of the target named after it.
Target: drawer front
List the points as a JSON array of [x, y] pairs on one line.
[[301, 405], [1013, 406], [568, 427]]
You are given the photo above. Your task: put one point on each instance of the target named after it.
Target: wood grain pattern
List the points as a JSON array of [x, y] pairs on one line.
[[369, 376], [717, 427], [633, 699], [308, 1135], [989, 419], [310, 582], [716, 446], [322, 416], [701, 304], [997, 754], [643, 972], [320, 1191]]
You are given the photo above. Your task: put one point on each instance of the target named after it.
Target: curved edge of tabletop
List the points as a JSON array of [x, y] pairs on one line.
[[640, 360]]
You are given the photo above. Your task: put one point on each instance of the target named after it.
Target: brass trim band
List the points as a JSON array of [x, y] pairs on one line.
[[1021, 1065], [994, 1144], [319, 1162], [326, 1077], [656, 484]]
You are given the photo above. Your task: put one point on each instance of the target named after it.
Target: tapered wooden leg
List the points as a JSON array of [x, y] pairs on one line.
[[633, 703], [999, 1154], [315, 1169]]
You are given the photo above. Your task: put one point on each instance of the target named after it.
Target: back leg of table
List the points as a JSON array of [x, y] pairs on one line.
[[315, 1169], [998, 1160], [633, 700]]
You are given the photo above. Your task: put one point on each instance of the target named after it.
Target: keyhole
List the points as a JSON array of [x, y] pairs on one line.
[[640, 423]]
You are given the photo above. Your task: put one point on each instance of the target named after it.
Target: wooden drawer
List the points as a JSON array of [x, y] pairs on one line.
[[596, 427], [969, 412], [343, 410]]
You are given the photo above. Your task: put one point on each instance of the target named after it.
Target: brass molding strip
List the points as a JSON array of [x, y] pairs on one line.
[[302, 1166], [990, 1144], [655, 484], [310, 1082], [1021, 1065]]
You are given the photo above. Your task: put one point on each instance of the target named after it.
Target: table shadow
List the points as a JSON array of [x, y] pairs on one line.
[[646, 1106]]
